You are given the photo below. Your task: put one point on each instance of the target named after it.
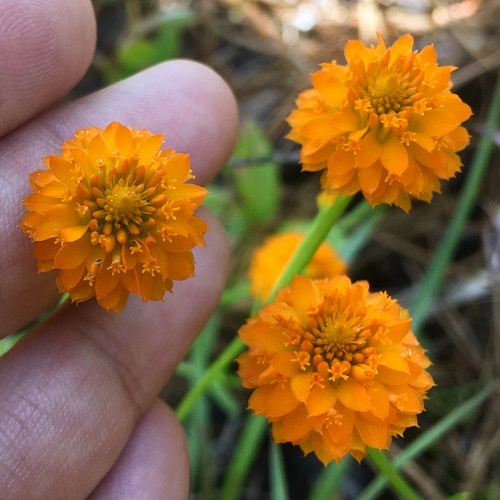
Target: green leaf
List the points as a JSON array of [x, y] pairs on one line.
[[257, 181], [142, 52]]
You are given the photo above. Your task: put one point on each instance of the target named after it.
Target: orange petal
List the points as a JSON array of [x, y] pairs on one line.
[[293, 427], [83, 161], [353, 395], [341, 162], [148, 148], [188, 192], [248, 370], [320, 400], [54, 190], [160, 286], [98, 153], [66, 215], [105, 280], [130, 281], [457, 139], [340, 425], [369, 178], [443, 119], [283, 364], [329, 85], [398, 331], [394, 156], [370, 150], [375, 436], [355, 49], [73, 254], [273, 400], [39, 202], [405, 399], [178, 168], [73, 233], [394, 361], [300, 386], [122, 140], [71, 277], [379, 400], [261, 333], [420, 378], [345, 121], [115, 300], [46, 250], [83, 291], [61, 168], [401, 47], [319, 128], [387, 376], [327, 451], [181, 265]]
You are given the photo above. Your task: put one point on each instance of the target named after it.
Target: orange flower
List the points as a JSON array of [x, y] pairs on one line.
[[269, 260], [385, 124], [114, 214], [335, 368]]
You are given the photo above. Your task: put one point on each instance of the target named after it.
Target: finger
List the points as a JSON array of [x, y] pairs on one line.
[[186, 101], [154, 465], [39, 58], [73, 390]]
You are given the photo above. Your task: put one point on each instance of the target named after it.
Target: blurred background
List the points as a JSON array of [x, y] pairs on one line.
[[266, 50]]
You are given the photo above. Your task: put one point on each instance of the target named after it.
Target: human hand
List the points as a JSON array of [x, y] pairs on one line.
[[79, 413]]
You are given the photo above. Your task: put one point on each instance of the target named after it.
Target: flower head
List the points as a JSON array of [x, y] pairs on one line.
[[269, 260], [335, 368], [385, 124], [114, 214]]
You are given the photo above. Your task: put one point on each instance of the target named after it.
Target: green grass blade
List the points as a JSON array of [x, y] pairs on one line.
[[444, 253], [279, 483], [331, 479], [392, 476], [243, 456]]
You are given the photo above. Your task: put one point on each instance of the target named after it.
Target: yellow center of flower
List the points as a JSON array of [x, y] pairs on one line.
[[121, 206], [337, 345], [125, 203], [391, 91]]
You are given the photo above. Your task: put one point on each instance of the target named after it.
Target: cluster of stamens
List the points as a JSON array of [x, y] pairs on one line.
[[392, 93], [119, 206], [335, 345]]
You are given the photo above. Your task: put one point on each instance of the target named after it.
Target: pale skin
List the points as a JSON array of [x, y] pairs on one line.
[[79, 412]]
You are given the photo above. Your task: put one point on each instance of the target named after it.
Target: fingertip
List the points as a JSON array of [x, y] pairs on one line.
[[154, 463], [47, 46]]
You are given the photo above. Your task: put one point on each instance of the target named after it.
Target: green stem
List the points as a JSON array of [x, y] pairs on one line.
[[315, 235], [398, 483], [235, 293], [209, 375], [432, 279], [313, 238]]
